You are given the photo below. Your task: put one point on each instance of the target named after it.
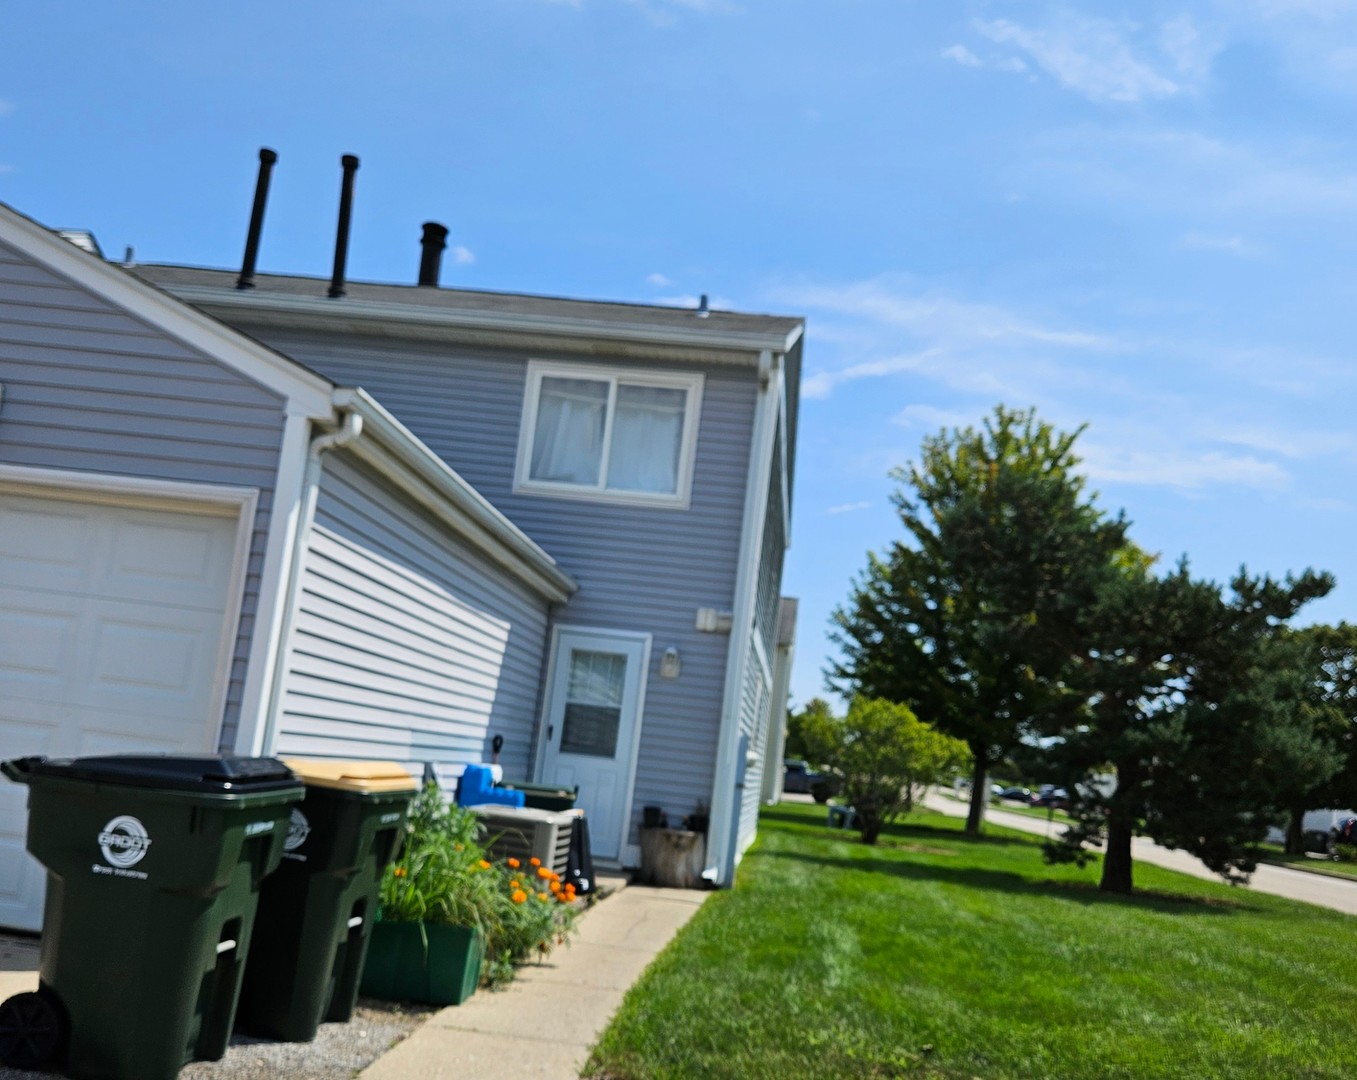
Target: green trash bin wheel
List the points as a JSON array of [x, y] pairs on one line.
[[33, 1030]]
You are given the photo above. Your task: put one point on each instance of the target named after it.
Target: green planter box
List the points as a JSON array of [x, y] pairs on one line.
[[401, 968]]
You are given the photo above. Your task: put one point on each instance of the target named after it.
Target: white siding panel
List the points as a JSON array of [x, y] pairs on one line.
[[407, 645], [89, 387], [753, 726]]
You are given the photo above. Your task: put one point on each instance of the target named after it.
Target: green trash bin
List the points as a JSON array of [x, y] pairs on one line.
[[153, 871], [316, 912]]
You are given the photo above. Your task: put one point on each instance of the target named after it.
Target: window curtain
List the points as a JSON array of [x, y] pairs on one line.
[[647, 438], [567, 445], [593, 709]]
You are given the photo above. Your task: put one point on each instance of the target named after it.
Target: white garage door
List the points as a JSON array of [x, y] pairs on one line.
[[112, 633]]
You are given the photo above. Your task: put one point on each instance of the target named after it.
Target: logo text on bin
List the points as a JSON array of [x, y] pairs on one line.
[[124, 841]]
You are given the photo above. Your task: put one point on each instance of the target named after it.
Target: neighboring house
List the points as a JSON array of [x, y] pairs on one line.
[[391, 525]]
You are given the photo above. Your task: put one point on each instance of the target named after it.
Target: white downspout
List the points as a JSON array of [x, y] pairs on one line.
[[724, 811], [350, 428]]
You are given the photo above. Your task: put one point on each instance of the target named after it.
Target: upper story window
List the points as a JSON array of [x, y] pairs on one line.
[[609, 434]]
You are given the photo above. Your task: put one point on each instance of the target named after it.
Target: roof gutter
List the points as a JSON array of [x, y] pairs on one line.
[[749, 344]]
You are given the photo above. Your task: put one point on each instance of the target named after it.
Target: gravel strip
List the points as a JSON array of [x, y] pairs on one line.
[[339, 1052]]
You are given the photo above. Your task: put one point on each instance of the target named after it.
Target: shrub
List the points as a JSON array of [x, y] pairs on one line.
[[879, 752], [1345, 852], [443, 875]]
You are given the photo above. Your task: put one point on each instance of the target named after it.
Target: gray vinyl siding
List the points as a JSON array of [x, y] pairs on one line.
[[639, 569], [407, 645], [89, 387]]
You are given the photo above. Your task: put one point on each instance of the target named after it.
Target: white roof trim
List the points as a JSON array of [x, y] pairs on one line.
[[305, 391], [351, 311], [391, 448]]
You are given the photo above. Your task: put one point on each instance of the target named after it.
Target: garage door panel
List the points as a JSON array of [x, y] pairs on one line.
[[160, 662], [40, 544], [184, 564], [93, 742], [21, 876], [38, 645]]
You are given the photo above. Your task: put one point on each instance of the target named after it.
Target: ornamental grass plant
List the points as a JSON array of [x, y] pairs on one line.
[[444, 876]]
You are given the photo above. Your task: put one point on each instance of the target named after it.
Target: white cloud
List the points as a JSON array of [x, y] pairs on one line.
[[463, 256], [660, 280], [933, 418], [891, 329], [1295, 444], [1186, 468], [962, 56], [848, 508], [1226, 245], [1187, 171], [1094, 56], [935, 315], [1191, 50]]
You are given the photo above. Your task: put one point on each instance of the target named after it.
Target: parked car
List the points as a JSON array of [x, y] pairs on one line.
[[798, 777], [1055, 797], [1020, 794]]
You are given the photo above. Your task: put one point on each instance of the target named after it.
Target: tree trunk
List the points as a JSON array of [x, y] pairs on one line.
[[979, 789], [1117, 862], [1295, 833]]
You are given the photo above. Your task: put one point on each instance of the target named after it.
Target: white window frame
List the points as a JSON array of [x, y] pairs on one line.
[[692, 383]]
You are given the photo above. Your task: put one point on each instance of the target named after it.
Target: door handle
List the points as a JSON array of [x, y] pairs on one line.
[[551, 730]]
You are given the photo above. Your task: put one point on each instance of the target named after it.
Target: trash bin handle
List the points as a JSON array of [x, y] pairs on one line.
[[20, 770]]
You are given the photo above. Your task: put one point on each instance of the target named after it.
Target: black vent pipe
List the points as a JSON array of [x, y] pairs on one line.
[[433, 242], [261, 194], [350, 164]]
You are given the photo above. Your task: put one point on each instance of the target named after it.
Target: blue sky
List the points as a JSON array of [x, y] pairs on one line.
[[1141, 217]]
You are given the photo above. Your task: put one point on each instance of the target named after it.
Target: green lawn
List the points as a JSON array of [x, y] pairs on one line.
[[1043, 813], [933, 955], [1273, 853]]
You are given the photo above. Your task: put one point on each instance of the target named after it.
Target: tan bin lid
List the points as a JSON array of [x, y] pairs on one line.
[[353, 775]]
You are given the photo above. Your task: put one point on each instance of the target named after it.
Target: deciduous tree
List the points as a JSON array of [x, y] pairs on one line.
[[974, 617]]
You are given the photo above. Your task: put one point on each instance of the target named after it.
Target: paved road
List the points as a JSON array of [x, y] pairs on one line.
[[1330, 892]]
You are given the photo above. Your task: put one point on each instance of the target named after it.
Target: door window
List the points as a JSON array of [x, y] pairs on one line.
[[593, 703]]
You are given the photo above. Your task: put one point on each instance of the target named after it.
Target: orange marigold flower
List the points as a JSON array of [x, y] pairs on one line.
[[513, 884], [543, 896], [519, 896], [484, 865], [513, 862], [544, 873], [555, 886], [400, 871], [535, 861]]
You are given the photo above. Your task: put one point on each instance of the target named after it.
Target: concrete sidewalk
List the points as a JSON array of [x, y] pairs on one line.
[[1322, 890], [545, 1023]]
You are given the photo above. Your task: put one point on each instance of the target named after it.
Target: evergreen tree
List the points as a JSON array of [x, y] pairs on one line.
[[1319, 664], [1190, 711]]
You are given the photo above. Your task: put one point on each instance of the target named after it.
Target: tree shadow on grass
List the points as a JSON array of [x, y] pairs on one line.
[[1085, 894]]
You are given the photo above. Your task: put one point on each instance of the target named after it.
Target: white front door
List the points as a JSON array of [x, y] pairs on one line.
[[593, 726], [113, 639]]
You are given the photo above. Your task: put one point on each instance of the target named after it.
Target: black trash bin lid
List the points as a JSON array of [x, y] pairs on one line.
[[219, 773]]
